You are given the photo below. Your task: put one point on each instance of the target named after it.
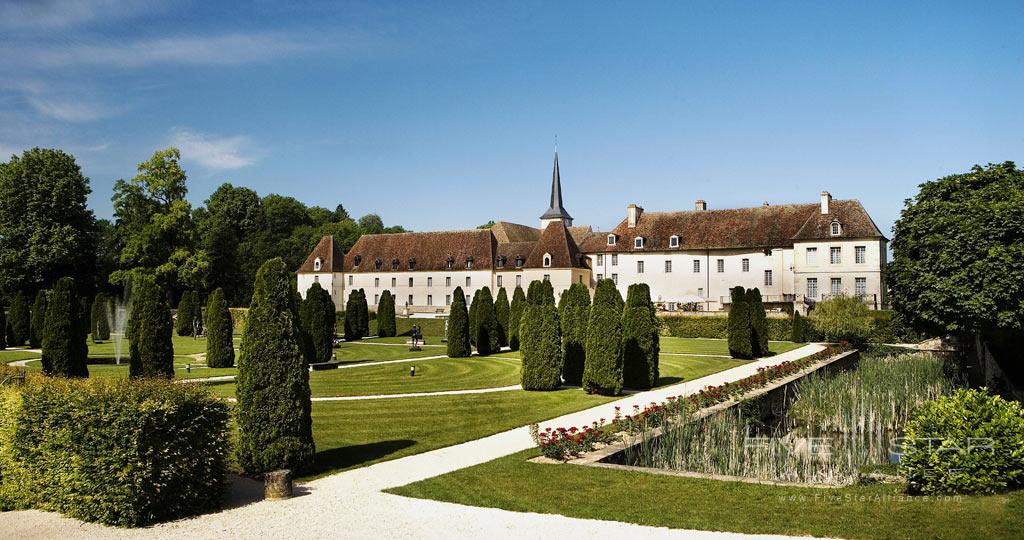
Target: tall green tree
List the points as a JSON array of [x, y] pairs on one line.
[[758, 323], [541, 339], [573, 312], [100, 325], [19, 321], [38, 321], [4, 334], [458, 326], [602, 370], [65, 351], [46, 228], [641, 344], [364, 314], [220, 346], [149, 329], [354, 313], [318, 321], [488, 337], [275, 427], [798, 332], [515, 317], [186, 315], [501, 312], [740, 332], [474, 319], [386, 315]]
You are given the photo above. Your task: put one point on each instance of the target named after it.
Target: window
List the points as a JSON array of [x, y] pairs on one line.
[[377, 264], [519, 280], [673, 241], [394, 264], [600, 277], [860, 286], [700, 292], [696, 266], [499, 282], [600, 258], [611, 239], [430, 300], [469, 262], [447, 299], [412, 263], [547, 277], [837, 285], [547, 261], [746, 265], [836, 255], [767, 277], [836, 228], [409, 302], [812, 287], [519, 261], [316, 279], [410, 282], [317, 264], [350, 279], [501, 262], [358, 259], [376, 299], [467, 299], [638, 242], [376, 282], [615, 259], [430, 281], [448, 281], [467, 281], [668, 267], [812, 256], [721, 265], [615, 279], [859, 254], [450, 263], [394, 282], [639, 267]]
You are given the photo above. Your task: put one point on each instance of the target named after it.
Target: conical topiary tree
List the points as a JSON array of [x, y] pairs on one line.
[[150, 349], [474, 322], [318, 322], [740, 332], [38, 320], [353, 323], [798, 332], [386, 316], [541, 339], [100, 326], [501, 309], [515, 317], [487, 329], [65, 351], [641, 343], [220, 346], [573, 311], [364, 314], [602, 370], [275, 427], [19, 321], [758, 323], [458, 326], [183, 321], [4, 327]]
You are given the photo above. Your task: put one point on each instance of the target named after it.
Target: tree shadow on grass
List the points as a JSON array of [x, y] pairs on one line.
[[666, 381], [344, 457]]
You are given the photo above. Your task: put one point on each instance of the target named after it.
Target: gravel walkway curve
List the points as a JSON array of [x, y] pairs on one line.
[[351, 504]]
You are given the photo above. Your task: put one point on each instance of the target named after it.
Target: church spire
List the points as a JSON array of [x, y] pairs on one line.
[[556, 211]]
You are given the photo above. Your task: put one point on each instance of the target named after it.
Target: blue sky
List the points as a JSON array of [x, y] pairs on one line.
[[444, 115]]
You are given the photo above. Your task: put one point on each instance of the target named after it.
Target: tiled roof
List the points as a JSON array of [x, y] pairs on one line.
[[506, 232], [580, 234], [511, 250], [556, 241], [330, 256], [759, 227], [428, 250]]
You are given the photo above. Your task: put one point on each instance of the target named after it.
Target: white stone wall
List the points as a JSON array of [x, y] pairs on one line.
[[329, 281], [561, 279], [429, 289], [847, 270]]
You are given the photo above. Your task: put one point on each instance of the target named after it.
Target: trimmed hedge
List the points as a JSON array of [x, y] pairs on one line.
[[185, 314], [239, 316], [386, 315], [220, 347], [150, 349], [19, 321], [799, 329], [458, 326], [602, 370], [488, 340], [716, 326], [515, 317], [640, 341], [741, 332], [118, 452], [541, 340], [317, 318], [474, 319], [501, 313], [364, 314], [573, 312], [758, 323], [100, 326], [275, 427], [38, 320], [65, 351], [353, 322]]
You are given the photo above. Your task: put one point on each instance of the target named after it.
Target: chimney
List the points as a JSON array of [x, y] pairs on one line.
[[826, 198], [701, 205], [633, 215]]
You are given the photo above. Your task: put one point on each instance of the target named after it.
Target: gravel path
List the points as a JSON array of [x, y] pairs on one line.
[[351, 504]]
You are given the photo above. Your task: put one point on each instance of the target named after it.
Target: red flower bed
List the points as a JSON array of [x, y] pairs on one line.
[[567, 443]]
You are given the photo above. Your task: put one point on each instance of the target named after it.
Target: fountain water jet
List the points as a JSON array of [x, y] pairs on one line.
[[118, 312]]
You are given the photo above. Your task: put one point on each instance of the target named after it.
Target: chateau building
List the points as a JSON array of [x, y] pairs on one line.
[[796, 254]]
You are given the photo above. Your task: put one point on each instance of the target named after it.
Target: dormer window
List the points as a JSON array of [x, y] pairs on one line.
[[317, 264], [394, 264], [638, 242], [358, 259], [547, 260], [451, 262], [611, 239], [377, 264], [469, 262], [501, 262], [673, 241], [835, 229], [412, 263], [519, 261]]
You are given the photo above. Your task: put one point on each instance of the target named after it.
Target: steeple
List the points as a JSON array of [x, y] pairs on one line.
[[556, 212]]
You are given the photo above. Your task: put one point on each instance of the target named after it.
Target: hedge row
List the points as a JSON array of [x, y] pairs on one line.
[[118, 452], [717, 327]]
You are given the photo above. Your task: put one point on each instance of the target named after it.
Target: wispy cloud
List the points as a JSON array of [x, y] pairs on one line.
[[74, 110], [213, 152], [63, 14]]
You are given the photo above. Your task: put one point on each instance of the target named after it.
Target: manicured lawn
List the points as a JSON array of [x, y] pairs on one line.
[[183, 346], [14, 355], [715, 346], [121, 370], [431, 376], [432, 341], [873, 511], [363, 352], [677, 369]]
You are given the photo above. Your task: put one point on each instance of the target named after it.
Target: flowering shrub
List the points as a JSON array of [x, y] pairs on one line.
[[566, 443]]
